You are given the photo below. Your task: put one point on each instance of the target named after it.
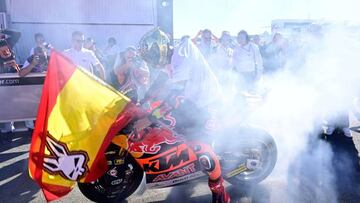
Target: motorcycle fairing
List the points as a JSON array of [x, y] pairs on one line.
[[175, 164], [175, 181]]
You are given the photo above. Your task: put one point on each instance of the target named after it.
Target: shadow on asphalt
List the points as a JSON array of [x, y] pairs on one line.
[[183, 193], [16, 185], [13, 140], [257, 193], [327, 171]]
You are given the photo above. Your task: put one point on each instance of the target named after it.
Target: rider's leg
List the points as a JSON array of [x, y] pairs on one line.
[[210, 163], [196, 124]]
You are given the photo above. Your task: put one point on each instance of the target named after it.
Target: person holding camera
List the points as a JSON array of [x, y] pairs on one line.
[[40, 42], [131, 75], [36, 63], [8, 39]]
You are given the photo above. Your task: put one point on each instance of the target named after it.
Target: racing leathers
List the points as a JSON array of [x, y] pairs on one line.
[[187, 94]]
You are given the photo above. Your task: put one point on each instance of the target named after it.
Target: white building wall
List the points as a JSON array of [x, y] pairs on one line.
[[126, 20]]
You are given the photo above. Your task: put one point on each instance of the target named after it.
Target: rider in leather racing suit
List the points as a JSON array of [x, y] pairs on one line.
[[189, 91]]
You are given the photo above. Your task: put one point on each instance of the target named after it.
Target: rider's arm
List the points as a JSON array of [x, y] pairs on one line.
[[157, 113], [159, 88]]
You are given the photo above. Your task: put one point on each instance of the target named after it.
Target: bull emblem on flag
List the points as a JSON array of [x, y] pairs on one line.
[[70, 165]]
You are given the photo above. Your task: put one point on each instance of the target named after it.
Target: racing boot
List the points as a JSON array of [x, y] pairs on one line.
[[219, 195]]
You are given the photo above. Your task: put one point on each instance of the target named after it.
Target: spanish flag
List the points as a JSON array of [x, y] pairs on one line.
[[77, 118]]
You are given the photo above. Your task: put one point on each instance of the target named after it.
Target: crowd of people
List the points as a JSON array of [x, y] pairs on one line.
[[246, 55], [238, 62]]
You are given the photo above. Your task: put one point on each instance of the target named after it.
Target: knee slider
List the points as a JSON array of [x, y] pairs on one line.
[[206, 163]]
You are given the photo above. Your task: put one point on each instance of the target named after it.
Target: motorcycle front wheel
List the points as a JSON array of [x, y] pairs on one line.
[[119, 182]]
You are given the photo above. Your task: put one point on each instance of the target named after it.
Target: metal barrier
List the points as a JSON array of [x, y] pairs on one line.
[[20, 96]]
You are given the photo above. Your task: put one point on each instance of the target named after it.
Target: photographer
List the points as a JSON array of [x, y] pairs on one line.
[[36, 63], [8, 39], [40, 42], [130, 75]]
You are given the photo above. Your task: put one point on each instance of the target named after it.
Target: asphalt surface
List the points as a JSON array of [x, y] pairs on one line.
[[306, 180]]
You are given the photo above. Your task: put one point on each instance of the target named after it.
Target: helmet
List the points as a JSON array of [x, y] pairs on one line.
[[155, 48]]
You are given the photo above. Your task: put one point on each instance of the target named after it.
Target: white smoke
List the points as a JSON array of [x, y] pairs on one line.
[[302, 94]]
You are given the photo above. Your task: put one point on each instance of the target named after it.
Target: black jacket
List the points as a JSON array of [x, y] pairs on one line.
[[10, 41]]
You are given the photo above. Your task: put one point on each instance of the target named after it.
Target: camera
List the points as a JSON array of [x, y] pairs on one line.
[[7, 58], [47, 45], [43, 60]]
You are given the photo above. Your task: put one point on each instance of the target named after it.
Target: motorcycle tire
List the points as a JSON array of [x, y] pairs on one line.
[[249, 138], [129, 176]]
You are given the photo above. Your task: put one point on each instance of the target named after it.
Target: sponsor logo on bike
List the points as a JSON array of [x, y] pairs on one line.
[[169, 160], [242, 168], [118, 162], [151, 141], [176, 180], [116, 182], [177, 173]]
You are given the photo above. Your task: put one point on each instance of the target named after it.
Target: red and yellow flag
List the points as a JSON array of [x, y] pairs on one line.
[[77, 118]]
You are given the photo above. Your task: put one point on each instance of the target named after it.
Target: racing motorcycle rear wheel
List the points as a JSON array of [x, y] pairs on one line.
[[250, 156], [119, 182]]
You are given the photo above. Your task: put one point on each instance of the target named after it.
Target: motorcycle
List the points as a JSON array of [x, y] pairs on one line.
[[159, 158]]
